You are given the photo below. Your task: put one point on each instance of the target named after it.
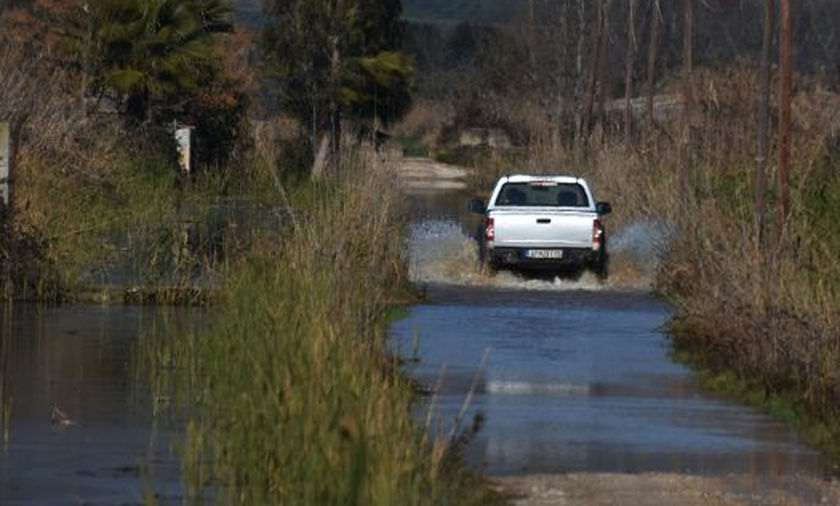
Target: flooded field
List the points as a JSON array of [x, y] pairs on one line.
[[76, 430]]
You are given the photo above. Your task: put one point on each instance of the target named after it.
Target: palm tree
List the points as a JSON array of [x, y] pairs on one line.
[[152, 54]]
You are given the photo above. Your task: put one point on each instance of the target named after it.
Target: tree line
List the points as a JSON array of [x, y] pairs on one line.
[[154, 62]]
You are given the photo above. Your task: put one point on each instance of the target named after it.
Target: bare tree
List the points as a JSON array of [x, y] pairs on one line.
[[785, 84], [763, 121], [653, 45], [629, 59], [579, 119], [595, 66]]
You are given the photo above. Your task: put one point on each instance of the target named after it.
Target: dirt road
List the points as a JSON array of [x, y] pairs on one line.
[[425, 174], [666, 490]]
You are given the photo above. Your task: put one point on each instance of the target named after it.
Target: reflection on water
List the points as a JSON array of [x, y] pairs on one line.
[[6, 377], [579, 377], [78, 432], [582, 381]]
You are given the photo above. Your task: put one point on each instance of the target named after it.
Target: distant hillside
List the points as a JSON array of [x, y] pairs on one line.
[[248, 12], [456, 11]]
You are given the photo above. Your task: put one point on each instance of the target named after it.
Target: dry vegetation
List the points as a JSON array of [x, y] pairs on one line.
[[291, 398], [761, 319]]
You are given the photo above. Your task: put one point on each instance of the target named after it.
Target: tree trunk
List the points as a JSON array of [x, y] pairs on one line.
[[579, 107], [7, 211], [604, 74], [785, 84], [653, 45], [564, 91], [688, 95], [763, 122], [629, 59], [595, 64]]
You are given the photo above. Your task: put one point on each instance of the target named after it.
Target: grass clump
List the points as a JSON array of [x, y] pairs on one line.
[[290, 397]]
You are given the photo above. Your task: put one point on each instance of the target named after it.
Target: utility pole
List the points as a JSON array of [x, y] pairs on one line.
[[7, 168], [594, 68], [763, 122], [629, 59], [653, 45], [688, 94], [785, 85], [5, 164]]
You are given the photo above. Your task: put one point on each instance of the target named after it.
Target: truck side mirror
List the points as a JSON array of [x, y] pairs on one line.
[[603, 208], [477, 206]]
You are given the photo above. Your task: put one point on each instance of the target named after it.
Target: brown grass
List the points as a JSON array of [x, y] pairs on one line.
[[771, 314]]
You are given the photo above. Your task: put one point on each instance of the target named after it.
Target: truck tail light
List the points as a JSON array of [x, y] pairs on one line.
[[489, 230], [597, 235]]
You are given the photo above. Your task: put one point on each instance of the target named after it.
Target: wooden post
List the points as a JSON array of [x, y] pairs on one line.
[[688, 96], [629, 59], [7, 169], [785, 85], [763, 123], [5, 163], [653, 45], [594, 67]]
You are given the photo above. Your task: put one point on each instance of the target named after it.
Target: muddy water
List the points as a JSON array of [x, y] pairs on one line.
[[77, 431], [569, 375]]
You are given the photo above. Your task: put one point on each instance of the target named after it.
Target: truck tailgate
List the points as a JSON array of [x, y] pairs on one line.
[[543, 228]]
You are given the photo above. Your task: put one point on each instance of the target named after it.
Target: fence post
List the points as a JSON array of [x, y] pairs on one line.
[[184, 140], [6, 187], [5, 164]]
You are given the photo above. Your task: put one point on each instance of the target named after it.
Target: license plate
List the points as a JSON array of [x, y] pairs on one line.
[[544, 253]]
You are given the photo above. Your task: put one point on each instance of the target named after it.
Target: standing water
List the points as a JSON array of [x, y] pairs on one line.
[[75, 430], [568, 375]]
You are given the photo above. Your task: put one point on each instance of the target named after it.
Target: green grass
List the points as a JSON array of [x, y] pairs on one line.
[[786, 405], [137, 220], [290, 394]]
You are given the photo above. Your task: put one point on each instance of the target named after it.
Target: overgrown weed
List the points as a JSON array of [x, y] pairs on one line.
[[291, 396]]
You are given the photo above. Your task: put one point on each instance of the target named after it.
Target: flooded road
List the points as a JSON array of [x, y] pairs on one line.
[[569, 375], [578, 380], [77, 431]]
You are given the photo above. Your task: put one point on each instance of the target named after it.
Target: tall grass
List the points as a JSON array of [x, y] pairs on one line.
[[290, 397]]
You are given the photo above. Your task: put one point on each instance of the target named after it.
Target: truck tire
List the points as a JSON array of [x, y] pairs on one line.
[[601, 268]]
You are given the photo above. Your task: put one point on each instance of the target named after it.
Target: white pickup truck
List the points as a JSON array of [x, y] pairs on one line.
[[543, 222]]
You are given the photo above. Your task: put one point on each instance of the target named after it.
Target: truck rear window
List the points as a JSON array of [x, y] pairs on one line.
[[542, 194]]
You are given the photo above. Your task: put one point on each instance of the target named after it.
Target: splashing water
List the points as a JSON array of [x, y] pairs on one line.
[[441, 252], [636, 251]]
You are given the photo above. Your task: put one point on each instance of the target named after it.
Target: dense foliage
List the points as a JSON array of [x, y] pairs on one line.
[[328, 60]]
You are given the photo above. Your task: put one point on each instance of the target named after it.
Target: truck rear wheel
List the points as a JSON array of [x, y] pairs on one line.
[[601, 268]]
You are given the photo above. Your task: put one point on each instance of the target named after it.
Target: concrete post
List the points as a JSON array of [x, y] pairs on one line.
[[183, 137]]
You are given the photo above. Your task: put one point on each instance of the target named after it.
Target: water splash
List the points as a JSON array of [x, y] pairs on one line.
[[440, 251], [637, 249]]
